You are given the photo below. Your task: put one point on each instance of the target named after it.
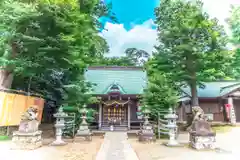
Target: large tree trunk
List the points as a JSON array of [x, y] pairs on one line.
[[6, 72], [194, 93], [194, 99], [6, 79]]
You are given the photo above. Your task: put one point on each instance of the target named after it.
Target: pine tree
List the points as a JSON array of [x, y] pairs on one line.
[[234, 23]]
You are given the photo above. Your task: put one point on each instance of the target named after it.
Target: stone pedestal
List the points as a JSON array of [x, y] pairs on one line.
[[26, 141], [202, 142], [83, 133], [146, 134], [201, 136]]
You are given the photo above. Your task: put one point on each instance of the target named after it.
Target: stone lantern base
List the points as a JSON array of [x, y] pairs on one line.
[[83, 132], [146, 134], [58, 142], [26, 141]]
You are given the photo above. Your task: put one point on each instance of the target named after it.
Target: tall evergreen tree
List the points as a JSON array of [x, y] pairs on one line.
[[192, 47], [234, 23]]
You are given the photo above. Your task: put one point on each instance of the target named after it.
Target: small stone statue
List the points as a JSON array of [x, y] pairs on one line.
[[29, 122], [28, 136], [198, 114], [30, 114], [201, 134]]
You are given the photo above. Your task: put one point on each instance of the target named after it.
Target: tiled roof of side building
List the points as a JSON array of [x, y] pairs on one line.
[[131, 80], [215, 89]]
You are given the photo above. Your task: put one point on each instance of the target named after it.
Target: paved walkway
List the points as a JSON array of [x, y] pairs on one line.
[[116, 147]]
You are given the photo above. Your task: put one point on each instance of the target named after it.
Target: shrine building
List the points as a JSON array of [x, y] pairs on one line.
[[120, 88]]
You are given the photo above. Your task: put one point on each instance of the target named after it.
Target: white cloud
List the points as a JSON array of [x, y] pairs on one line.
[[144, 37], [220, 9], [119, 39]]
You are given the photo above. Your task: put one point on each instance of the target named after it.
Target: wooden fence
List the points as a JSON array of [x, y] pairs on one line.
[[13, 105]]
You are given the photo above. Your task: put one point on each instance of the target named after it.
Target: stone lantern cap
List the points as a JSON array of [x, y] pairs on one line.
[[60, 113], [83, 110], [171, 115]]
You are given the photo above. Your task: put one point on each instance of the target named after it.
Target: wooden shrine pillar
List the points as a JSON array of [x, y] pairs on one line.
[[129, 116], [100, 116]]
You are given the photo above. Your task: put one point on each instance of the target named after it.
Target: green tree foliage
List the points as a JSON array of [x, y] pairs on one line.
[[234, 23], [137, 56], [114, 61], [192, 47], [159, 94], [47, 44], [132, 57]]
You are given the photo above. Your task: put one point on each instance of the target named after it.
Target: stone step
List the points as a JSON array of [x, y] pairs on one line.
[[115, 128]]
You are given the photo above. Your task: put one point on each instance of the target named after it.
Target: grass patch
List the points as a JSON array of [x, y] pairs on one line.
[[222, 129], [4, 138]]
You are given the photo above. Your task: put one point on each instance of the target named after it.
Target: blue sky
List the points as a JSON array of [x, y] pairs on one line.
[[136, 23], [133, 12]]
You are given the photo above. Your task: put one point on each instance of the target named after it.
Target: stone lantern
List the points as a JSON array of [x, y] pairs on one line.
[[146, 113], [146, 133], [83, 130], [59, 125], [172, 126]]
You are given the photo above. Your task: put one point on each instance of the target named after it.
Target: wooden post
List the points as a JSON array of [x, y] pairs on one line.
[[129, 117], [158, 125], [8, 130], [232, 111], [100, 116]]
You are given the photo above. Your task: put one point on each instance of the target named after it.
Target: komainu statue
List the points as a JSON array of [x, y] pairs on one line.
[[28, 136], [198, 115], [29, 122], [200, 131]]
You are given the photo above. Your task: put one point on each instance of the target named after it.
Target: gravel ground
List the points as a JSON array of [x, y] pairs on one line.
[[72, 151], [227, 142]]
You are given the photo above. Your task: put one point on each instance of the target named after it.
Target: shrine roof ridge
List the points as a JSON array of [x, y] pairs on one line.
[[115, 68]]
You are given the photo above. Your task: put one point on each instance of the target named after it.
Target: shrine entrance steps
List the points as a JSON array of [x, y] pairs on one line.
[[116, 147], [116, 128]]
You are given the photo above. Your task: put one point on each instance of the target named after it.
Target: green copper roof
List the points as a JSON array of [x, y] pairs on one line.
[[133, 81], [128, 80], [214, 89]]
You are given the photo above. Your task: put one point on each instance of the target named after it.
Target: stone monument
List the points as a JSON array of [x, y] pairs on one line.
[[59, 125], [83, 130], [201, 135], [146, 133], [172, 126], [28, 136]]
